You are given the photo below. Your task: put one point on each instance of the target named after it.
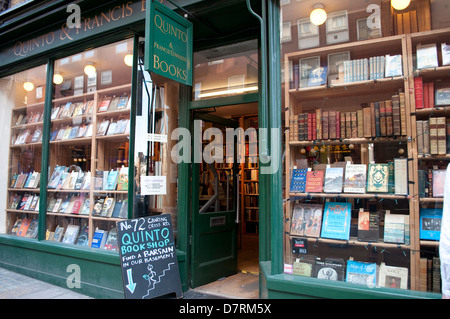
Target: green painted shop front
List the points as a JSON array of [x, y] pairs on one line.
[[101, 275]]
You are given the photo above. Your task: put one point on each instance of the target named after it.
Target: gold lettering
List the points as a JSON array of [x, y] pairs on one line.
[[112, 13], [130, 9], [107, 18], [86, 24], [95, 23]]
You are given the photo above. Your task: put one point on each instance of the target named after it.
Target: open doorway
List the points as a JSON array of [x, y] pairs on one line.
[[240, 280]]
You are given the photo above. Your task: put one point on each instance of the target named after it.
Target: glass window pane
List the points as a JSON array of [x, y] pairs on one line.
[[22, 96], [226, 71], [88, 160], [350, 88]]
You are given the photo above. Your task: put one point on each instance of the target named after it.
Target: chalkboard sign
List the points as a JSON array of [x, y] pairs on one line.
[[148, 257]]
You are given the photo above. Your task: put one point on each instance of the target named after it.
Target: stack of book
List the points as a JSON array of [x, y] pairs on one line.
[[432, 136]]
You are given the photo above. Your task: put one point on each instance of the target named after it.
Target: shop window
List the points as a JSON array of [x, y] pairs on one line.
[[365, 96], [226, 71], [89, 143], [22, 97]]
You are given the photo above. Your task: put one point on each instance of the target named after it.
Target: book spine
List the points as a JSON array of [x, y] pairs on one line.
[[448, 137], [402, 113], [382, 118], [419, 139], [310, 126], [396, 122], [425, 90], [377, 119], [433, 136], [367, 122], [389, 118], [332, 124], [319, 123], [325, 120], [360, 120], [426, 137], [372, 120], [314, 127], [338, 124], [431, 94], [430, 182], [343, 123], [441, 135], [418, 92]]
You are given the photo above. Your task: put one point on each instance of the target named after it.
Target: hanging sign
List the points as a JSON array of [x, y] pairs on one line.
[[168, 43], [148, 257]]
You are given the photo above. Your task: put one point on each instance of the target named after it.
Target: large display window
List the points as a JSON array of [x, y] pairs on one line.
[[366, 141]]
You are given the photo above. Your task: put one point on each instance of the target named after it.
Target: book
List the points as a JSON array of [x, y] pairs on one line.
[[333, 180], [56, 177], [111, 240], [83, 236], [99, 238], [393, 277], [16, 226], [306, 220], [401, 176], [377, 178], [317, 76], [33, 228], [59, 232], [355, 178], [103, 127], [122, 179], [124, 209], [430, 223], [104, 104], [330, 269], [122, 103], [427, 56], [394, 228], [23, 227], [362, 273], [86, 207], [393, 64], [445, 50], [438, 182], [34, 180], [117, 208], [111, 181], [303, 267], [71, 234], [314, 181], [368, 226], [336, 220], [107, 207]]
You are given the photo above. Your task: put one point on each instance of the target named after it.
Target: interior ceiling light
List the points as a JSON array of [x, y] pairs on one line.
[[400, 4], [28, 86], [90, 69], [318, 16], [128, 59], [58, 78]]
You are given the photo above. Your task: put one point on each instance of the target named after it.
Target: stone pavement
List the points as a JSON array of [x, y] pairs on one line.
[[17, 286]]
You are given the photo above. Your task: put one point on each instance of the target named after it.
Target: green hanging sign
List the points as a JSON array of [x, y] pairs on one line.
[[168, 43]]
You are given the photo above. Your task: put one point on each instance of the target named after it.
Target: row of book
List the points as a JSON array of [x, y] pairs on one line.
[[25, 180], [28, 136], [427, 55], [73, 234], [430, 278], [111, 180], [114, 103], [72, 109], [333, 221], [353, 178], [25, 202], [377, 119], [432, 136], [352, 271], [25, 227], [424, 94], [106, 127], [373, 68], [33, 118], [80, 205]]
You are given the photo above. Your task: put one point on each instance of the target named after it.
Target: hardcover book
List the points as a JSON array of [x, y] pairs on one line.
[[368, 226], [430, 223], [394, 228], [314, 181], [362, 273], [306, 220], [99, 238], [330, 269], [378, 178], [333, 180], [427, 56], [336, 220], [355, 178], [438, 182], [393, 277], [401, 176], [71, 234]]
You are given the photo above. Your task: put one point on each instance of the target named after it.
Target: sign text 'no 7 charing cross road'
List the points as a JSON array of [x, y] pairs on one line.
[[168, 44]]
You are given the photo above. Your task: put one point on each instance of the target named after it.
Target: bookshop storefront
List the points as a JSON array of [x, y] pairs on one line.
[[339, 177]]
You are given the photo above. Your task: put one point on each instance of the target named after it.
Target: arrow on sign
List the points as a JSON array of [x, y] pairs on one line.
[[131, 285]]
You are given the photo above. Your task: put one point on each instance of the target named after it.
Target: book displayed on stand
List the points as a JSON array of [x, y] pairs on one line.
[[336, 220], [368, 226], [430, 223], [362, 273]]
